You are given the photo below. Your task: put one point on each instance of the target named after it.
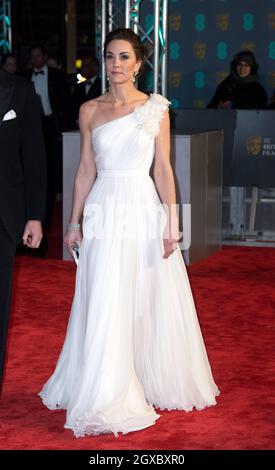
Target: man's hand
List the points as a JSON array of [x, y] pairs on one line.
[[32, 235]]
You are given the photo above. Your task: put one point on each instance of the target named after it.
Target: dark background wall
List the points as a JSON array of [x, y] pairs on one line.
[[203, 37], [45, 21]]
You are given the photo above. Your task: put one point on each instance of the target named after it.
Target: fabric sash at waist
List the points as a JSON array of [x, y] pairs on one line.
[[126, 172]]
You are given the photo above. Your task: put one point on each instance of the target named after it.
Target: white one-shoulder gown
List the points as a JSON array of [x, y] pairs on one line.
[[133, 340]]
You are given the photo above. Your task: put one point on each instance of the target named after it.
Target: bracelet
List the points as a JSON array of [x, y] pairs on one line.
[[73, 227]]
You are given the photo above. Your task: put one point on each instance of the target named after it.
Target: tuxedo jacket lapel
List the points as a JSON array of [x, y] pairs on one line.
[[95, 89]]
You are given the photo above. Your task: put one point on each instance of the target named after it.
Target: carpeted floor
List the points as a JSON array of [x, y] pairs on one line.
[[235, 298]]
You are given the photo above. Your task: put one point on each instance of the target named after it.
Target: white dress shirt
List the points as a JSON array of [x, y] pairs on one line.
[[40, 82]]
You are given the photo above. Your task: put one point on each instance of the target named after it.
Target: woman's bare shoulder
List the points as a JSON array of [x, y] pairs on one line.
[[89, 109], [91, 105]]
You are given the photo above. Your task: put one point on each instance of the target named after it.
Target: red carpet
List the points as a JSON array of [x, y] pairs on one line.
[[235, 298]]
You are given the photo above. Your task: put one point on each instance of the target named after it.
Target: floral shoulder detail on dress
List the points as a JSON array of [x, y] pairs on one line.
[[150, 114]]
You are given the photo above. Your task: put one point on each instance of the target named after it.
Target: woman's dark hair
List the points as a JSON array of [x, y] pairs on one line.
[[245, 56], [127, 34]]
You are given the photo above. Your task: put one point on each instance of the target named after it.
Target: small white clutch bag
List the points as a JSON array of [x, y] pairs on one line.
[[75, 250]]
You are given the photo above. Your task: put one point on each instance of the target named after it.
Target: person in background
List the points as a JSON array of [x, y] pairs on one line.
[[51, 87], [22, 184], [241, 89], [9, 62], [54, 61], [89, 89]]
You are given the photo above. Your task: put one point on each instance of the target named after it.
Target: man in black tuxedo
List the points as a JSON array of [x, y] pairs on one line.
[[22, 183], [89, 89], [52, 89]]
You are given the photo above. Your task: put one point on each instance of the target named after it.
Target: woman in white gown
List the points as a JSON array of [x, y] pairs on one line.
[[133, 340]]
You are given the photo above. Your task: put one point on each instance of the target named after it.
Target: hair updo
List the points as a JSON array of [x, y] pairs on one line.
[[126, 34]]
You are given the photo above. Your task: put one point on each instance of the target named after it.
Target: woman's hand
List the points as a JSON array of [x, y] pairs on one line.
[[169, 247], [170, 240], [71, 237]]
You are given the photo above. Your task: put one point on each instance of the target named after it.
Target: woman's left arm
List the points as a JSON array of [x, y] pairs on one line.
[[165, 184]]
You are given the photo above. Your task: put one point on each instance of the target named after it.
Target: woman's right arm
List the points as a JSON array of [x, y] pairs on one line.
[[85, 175]]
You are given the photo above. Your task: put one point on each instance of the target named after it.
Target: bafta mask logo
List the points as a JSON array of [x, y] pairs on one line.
[[200, 50], [221, 75], [254, 145], [271, 20], [222, 21], [175, 22], [199, 104], [271, 79], [175, 79], [248, 46]]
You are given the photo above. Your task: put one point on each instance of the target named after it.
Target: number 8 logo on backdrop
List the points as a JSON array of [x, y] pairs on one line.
[[248, 21], [174, 50], [200, 22], [271, 50], [222, 50], [199, 80]]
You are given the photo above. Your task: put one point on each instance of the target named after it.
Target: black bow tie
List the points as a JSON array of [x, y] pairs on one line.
[[37, 73]]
